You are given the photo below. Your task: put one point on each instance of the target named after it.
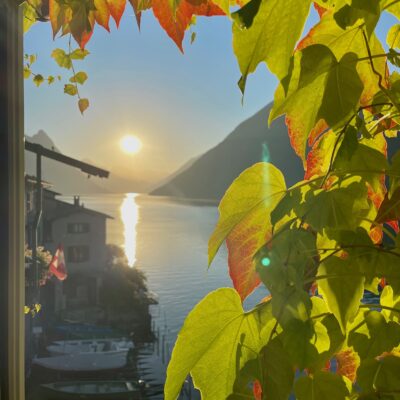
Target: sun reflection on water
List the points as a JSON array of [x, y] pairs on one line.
[[130, 217]]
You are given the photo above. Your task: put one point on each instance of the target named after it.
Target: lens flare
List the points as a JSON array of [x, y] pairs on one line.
[[266, 262]]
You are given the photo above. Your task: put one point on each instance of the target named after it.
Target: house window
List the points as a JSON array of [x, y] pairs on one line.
[[78, 254], [78, 227]]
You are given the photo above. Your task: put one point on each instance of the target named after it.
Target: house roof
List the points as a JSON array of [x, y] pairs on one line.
[[52, 192], [66, 209], [32, 179]]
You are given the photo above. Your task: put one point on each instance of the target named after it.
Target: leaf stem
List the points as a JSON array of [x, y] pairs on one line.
[[72, 66], [396, 310]]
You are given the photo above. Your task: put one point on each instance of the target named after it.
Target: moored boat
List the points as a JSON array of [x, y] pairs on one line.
[[63, 347], [84, 362], [96, 390]]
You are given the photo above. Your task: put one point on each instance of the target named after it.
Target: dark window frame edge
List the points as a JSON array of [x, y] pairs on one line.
[[12, 227]]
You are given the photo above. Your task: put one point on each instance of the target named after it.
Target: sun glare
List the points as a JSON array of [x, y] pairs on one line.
[[130, 144]]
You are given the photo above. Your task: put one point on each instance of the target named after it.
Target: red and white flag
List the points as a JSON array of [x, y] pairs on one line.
[[57, 265]]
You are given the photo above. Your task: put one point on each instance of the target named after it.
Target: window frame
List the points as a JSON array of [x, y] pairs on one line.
[[12, 225], [80, 249], [84, 225]]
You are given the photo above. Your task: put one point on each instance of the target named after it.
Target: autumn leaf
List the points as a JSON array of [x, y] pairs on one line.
[[117, 8], [102, 13], [348, 362], [175, 24], [245, 222]]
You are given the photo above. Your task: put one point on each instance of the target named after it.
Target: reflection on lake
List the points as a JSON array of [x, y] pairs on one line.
[[130, 217]]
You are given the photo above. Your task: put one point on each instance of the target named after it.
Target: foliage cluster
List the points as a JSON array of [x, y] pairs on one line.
[[123, 287], [317, 246]]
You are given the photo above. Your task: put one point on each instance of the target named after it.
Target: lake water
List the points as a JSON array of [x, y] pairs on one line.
[[168, 241]]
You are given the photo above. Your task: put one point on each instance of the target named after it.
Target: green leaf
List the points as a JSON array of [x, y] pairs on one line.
[[79, 54], [270, 38], [375, 336], [70, 89], [342, 293], [79, 77], [390, 299], [349, 15], [216, 341], [256, 191], [38, 80], [291, 255], [337, 208], [321, 386], [62, 58], [317, 88], [278, 371], [50, 80], [27, 73], [364, 161], [394, 174], [380, 376], [305, 341], [29, 13], [393, 37], [245, 16], [390, 208]]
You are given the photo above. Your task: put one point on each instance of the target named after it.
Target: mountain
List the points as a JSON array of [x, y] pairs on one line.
[[252, 141], [118, 184], [69, 180], [181, 169]]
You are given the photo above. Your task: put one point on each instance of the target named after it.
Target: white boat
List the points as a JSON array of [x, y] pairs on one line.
[[85, 362], [64, 347]]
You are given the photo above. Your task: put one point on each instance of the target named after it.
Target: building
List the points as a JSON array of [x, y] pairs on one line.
[[82, 233]]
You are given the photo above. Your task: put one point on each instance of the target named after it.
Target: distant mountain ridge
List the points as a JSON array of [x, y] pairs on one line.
[[252, 141], [67, 180]]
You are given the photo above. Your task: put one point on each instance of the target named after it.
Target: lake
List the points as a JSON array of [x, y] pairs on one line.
[[167, 239]]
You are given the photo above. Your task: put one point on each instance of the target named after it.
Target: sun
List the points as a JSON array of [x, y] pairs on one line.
[[130, 144]]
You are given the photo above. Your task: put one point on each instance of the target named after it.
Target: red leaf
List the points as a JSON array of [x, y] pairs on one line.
[[257, 390], [242, 243], [117, 8], [318, 158], [394, 225], [176, 24], [347, 363], [321, 10]]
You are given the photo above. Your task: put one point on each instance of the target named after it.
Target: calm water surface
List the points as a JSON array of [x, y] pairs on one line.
[[168, 241]]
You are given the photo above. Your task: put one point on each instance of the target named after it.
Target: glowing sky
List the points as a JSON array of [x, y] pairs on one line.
[[139, 83]]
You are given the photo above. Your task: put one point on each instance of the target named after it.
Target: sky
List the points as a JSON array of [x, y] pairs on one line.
[[139, 83]]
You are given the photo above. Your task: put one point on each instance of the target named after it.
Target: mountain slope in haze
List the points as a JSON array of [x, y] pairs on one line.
[[252, 141], [69, 180], [64, 179]]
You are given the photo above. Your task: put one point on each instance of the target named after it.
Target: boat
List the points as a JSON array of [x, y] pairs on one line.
[[96, 390], [85, 362], [64, 347]]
